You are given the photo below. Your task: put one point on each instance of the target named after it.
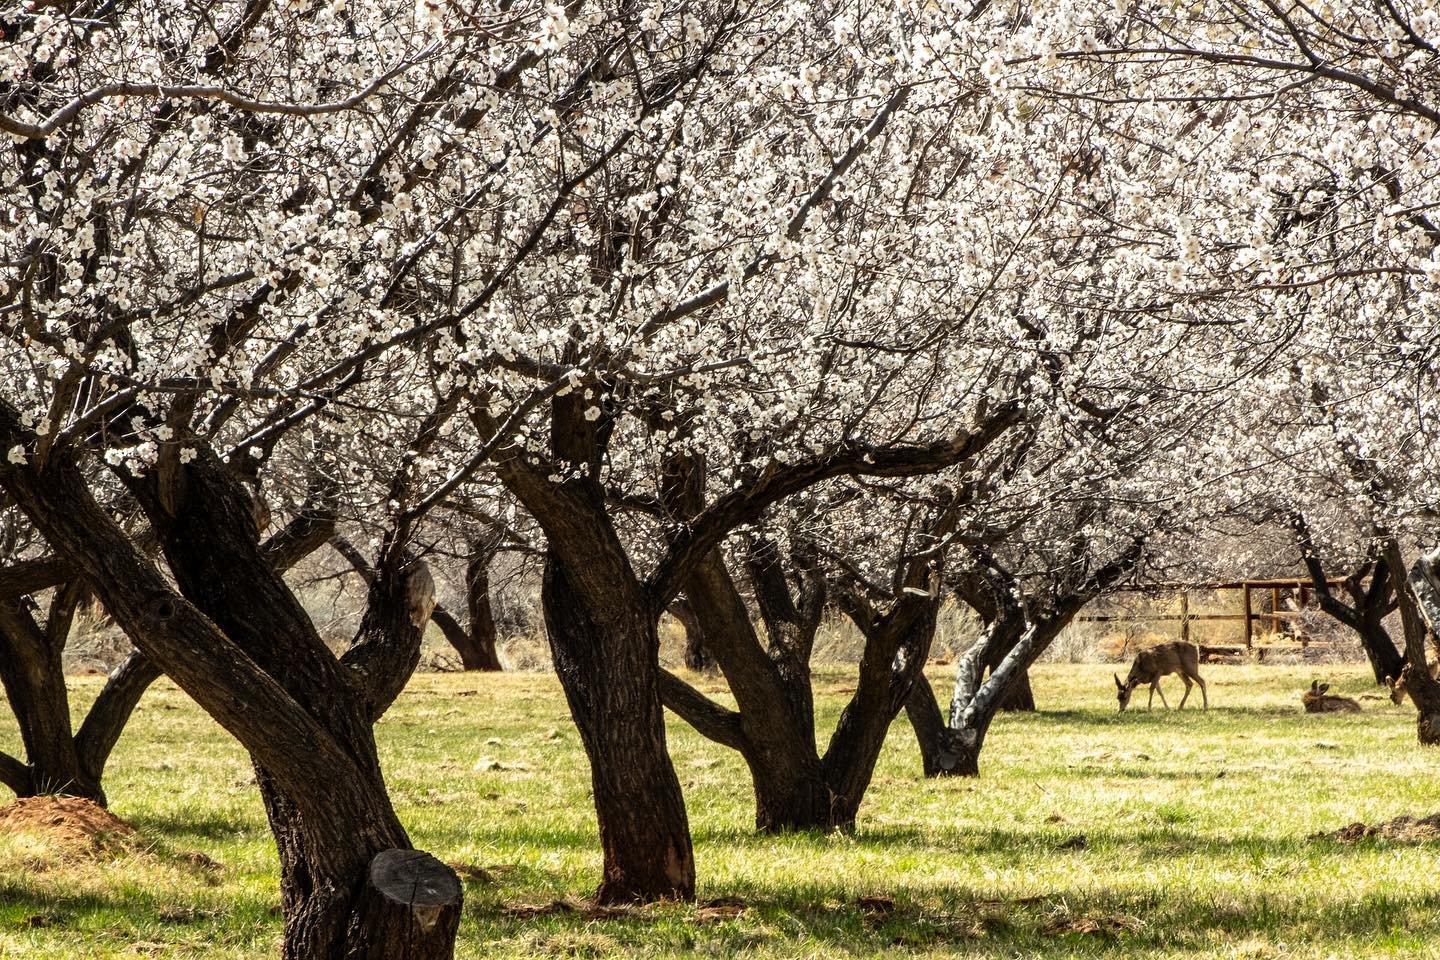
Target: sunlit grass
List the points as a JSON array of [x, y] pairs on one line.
[[1088, 834]]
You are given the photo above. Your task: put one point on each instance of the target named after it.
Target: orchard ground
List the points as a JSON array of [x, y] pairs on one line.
[[1090, 834]]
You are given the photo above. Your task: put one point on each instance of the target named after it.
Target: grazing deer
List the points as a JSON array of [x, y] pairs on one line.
[[1399, 688], [1316, 700], [1150, 665]]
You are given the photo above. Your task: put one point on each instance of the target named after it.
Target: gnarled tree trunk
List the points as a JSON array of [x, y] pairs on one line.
[[237, 640], [608, 664]]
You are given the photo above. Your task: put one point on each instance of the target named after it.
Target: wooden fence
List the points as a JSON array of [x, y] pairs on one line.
[[1276, 617]]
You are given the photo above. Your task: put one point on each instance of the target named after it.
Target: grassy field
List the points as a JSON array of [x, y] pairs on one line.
[[1089, 834]]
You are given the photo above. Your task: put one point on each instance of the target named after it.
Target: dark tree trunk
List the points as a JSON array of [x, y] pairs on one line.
[[328, 829], [111, 710], [896, 650], [1386, 661], [1370, 602], [776, 720], [791, 796], [240, 644], [31, 670], [1412, 596], [482, 654], [477, 645], [1021, 698], [608, 664], [931, 733], [474, 654], [697, 656], [963, 756], [335, 905], [33, 677], [774, 730]]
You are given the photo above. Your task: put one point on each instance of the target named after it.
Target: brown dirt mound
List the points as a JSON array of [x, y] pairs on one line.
[[76, 824], [1404, 829]]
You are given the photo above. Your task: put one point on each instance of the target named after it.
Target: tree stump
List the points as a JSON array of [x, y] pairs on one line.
[[409, 909]]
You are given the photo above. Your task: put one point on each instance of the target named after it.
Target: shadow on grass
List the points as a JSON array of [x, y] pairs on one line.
[[1062, 922], [1143, 717], [1065, 920], [191, 827], [1008, 844]]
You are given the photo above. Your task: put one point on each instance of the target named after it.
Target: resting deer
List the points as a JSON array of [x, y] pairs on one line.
[[1150, 665], [1316, 700], [1399, 688]]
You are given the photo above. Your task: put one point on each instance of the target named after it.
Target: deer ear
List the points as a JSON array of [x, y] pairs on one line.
[[1117, 681], [1389, 681], [1313, 685], [1324, 687]]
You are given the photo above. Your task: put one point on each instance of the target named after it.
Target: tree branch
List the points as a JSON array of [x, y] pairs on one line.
[[15, 775], [782, 480], [710, 719], [111, 710], [63, 115]]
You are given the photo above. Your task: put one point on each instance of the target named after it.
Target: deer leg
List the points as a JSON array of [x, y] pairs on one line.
[[1204, 697], [1187, 692], [1157, 689], [1150, 704]]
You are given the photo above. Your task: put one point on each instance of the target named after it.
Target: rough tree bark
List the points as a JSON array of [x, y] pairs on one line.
[[239, 643], [602, 620], [610, 671], [34, 682], [1020, 698], [602, 629], [57, 759], [482, 653]]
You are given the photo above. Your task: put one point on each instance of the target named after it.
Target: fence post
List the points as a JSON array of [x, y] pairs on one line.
[[1249, 618]]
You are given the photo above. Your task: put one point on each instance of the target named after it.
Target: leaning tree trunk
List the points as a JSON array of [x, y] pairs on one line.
[[342, 901], [608, 664], [1366, 614], [975, 701], [774, 728], [237, 641], [1019, 698], [33, 677], [897, 648], [1386, 661]]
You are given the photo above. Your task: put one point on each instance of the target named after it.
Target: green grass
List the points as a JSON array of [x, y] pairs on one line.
[[1194, 832]]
